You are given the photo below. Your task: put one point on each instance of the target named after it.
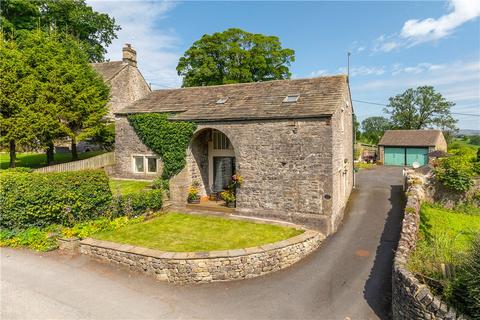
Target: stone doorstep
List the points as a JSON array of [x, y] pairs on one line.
[[307, 235]]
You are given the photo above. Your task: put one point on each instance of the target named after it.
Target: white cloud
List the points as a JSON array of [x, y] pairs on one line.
[[318, 73], [416, 31], [458, 81], [434, 29], [363, 71], [157, 51], [416, 69]]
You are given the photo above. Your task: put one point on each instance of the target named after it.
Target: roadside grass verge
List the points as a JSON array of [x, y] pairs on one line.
[[38, 160], [186, 233]]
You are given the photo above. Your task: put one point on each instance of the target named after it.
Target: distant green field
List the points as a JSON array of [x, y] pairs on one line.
[[37, 160], [456, 143]]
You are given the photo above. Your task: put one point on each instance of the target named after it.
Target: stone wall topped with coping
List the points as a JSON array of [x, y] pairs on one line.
[[410, 298], [203, 267]]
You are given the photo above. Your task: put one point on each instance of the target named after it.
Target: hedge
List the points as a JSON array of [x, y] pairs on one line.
[[135, 204], [42, 199]]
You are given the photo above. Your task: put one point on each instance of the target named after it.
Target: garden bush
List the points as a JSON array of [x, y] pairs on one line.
[[456, 172], [45, 239], [135, 204], [43, 199]]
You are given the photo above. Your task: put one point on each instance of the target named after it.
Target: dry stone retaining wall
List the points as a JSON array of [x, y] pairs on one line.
[[202, 267], [410, 298]]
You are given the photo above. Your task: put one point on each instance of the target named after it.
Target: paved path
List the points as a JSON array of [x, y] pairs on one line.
[[347, 278]]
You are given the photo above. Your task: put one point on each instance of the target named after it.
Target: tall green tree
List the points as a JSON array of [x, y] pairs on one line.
[[95, 30], [421, 108], [16, 95], [234, 56], [374, 128], [73, 97], [55, 93]]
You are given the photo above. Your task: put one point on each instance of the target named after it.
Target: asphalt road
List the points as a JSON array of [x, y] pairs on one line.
[[347, 278]]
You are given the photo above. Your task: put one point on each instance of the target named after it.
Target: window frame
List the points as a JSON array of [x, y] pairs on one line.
[[145, 158]]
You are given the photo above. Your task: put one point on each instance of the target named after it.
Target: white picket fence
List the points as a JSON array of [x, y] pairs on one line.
[[100, 161]]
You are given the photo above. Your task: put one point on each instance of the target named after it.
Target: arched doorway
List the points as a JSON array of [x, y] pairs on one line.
[[212, 163]]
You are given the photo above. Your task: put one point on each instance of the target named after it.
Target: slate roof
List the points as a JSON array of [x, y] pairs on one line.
[[410, 138], [318, 97], [110, 69]]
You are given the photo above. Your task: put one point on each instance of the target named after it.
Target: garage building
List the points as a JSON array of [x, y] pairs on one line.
[[405, 147]]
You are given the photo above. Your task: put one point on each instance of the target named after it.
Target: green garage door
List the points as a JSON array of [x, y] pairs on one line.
[[419, 155], [394, 156]]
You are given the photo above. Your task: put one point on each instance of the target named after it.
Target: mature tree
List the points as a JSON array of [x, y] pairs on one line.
[[73, 97], [234, 56], [16, 95], [374, 128], [51, 92], [95, 30], [421, 108]]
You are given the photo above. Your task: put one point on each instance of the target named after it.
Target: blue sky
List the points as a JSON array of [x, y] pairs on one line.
[[394, 45]]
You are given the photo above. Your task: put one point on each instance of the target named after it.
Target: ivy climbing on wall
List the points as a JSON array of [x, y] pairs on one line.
[[168, 139]]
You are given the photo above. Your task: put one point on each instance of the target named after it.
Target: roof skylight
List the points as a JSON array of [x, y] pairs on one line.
[[291, 98], [222, 100]]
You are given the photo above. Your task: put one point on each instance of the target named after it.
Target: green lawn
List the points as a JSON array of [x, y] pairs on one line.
[[444, 236], [124, 187], [186, 233], [37, 160]]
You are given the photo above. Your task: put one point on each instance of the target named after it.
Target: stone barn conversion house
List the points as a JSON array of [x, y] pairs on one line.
[[125, 80], [291, 140], [406, 147]]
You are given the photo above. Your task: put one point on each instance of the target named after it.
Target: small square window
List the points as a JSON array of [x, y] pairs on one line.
[[139, 166], [152, 164], [291, 98]]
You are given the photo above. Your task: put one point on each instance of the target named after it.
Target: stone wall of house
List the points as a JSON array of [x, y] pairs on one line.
[[342, 160], [126, 87], [410, 298], [202, 267], [287, 167], [128, 144]]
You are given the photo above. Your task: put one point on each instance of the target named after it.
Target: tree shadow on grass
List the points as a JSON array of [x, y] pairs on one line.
[[378, 287]]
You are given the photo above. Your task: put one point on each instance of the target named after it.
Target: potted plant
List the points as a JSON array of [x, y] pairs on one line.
[[229, 197], [193, 195]]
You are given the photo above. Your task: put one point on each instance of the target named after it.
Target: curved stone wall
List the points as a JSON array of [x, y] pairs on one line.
[[410, 298], [202, 267]]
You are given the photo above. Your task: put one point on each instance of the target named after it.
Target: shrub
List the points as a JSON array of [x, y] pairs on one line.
[[45, 239], [34, 238], [466, 287], [42, 199], [456, 172], [86, 229], [135, 204]]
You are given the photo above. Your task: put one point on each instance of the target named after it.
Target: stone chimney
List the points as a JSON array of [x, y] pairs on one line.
[[129, 55]]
